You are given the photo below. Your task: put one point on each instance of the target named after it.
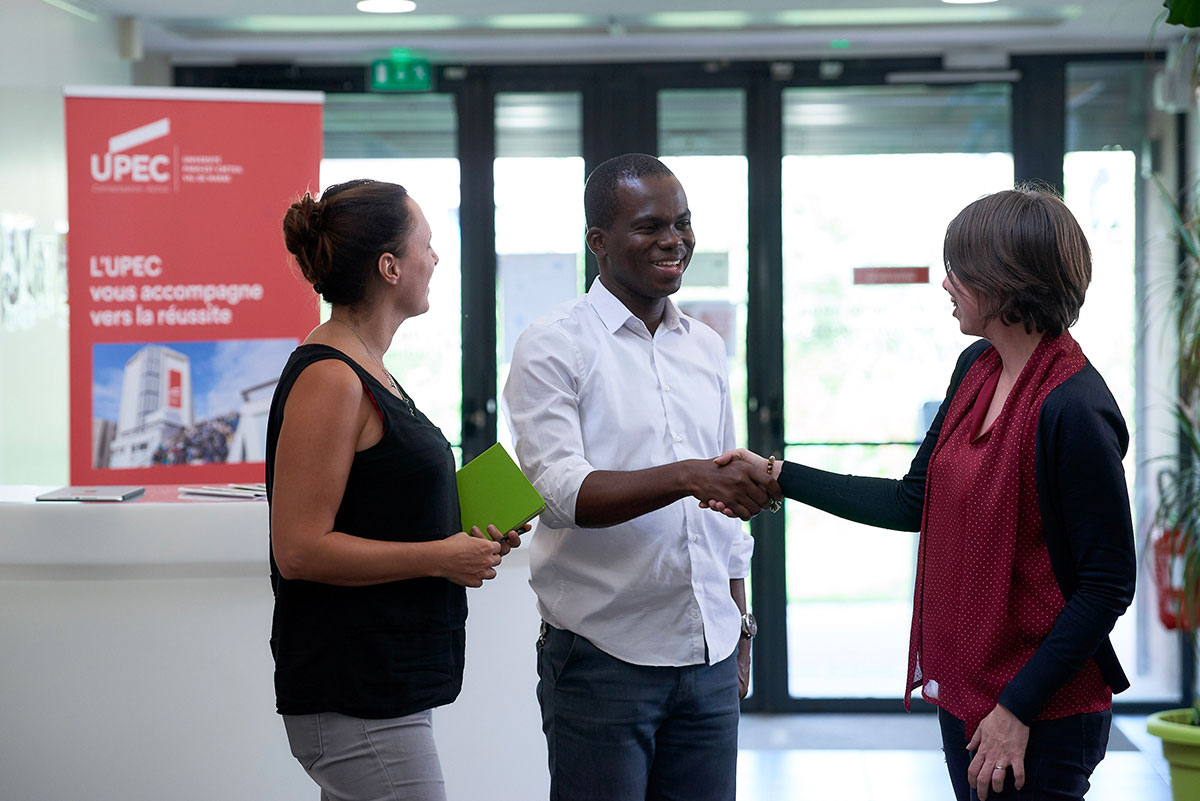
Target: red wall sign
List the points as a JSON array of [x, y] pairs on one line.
[[891, 275], [183, 307]]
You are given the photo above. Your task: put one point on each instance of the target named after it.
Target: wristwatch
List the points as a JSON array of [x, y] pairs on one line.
[[749, 626]]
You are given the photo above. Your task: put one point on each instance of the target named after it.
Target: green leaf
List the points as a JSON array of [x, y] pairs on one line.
[[1183, 12]]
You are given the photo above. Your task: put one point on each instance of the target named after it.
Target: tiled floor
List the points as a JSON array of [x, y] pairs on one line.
[[898, 758]]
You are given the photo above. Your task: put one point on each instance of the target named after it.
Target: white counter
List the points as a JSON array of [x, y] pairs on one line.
[[134, 663]]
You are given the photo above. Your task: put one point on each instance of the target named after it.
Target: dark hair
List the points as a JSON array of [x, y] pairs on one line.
[[338, 239], [1025, 256], [600, 192]]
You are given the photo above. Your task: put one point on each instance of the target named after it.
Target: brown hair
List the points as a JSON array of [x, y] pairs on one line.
[[338, 239], [1025, 256]]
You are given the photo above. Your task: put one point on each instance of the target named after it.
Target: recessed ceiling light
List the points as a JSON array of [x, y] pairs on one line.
[[386, 6]]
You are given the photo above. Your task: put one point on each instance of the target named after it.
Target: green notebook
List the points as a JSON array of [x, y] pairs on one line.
[[492, 489]]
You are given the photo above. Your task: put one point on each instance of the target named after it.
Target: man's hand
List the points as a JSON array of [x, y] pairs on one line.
[[743, 662], [999, 743], [737, 591], [739, 489]]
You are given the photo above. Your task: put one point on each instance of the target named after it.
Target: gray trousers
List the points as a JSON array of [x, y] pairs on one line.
[[356, 759]]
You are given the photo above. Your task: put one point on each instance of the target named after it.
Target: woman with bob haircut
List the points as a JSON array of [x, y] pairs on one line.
[[368, 564], [1026, 556]]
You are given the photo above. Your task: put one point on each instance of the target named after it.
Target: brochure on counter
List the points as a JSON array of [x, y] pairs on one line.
[[94, 493], [248, 491]]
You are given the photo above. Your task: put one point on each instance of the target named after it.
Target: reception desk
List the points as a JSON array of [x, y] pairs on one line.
[[134, 663]]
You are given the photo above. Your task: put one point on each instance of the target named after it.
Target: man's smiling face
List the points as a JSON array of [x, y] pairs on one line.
[[643, 254]]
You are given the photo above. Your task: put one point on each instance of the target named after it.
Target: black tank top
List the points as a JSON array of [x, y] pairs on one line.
[[385, 650]]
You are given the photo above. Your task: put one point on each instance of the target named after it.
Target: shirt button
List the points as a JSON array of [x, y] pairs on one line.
[[666, 388], [679, 439], [695, 613]]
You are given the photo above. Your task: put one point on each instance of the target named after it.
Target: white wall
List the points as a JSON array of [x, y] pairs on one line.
[[42, 49]]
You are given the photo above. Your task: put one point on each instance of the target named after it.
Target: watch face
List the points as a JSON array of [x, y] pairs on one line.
[[749, 625]]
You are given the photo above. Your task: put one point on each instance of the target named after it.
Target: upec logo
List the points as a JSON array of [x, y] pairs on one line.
[[116, 165]]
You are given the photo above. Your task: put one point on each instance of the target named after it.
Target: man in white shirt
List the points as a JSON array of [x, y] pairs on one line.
[[618, 405]]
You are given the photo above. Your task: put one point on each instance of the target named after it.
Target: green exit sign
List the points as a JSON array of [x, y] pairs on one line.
[[401, 75]]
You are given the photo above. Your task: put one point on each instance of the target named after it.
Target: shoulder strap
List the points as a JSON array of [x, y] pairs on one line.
[[307, 355]]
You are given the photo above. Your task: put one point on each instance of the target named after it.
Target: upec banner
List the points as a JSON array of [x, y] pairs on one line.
[[183, 308]]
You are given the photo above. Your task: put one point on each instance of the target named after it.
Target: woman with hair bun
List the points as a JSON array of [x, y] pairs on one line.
[[368, 564]]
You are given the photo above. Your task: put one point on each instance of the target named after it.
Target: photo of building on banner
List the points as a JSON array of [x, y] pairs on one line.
[[183, 304], [175, 403]]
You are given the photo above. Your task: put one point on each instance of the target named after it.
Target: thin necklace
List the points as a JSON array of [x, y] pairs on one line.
[[391, 381]]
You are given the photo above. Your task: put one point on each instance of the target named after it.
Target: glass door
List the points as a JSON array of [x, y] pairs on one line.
[[871, 176], [410, 140], [701, 136]]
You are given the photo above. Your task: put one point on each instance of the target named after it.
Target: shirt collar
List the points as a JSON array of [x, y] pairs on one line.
[[614, 314]]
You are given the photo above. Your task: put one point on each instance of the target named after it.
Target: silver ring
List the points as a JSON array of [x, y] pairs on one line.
[[1000, 767]]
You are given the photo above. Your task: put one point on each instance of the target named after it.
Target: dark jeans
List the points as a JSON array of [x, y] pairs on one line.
[[1059, 758], [622, 732]]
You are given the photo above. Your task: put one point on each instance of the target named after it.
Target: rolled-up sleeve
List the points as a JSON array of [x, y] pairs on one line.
[[541, 403], [739, 556]]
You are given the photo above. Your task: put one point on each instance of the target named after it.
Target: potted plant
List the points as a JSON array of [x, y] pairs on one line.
[[1181, 747], [1176, 551], [1177, 516]]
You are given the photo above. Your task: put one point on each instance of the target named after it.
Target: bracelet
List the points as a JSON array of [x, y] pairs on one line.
[[774, 505]]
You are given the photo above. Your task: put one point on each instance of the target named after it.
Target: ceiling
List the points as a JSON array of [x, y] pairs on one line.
[[487, 31]]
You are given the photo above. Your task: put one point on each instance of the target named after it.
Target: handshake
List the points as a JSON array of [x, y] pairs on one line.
[[738, 483]]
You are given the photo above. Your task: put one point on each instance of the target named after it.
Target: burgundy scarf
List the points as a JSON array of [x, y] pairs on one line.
[[985, 594]]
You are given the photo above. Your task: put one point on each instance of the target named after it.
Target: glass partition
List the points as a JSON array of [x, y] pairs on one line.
[[539, 179], [701, 138], [1108, 122]]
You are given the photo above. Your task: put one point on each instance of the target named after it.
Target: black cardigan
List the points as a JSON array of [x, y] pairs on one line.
[[1084, 503]]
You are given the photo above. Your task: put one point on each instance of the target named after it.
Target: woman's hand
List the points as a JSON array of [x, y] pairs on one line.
[[468, 559], [999, 743], [507, 541], [753, 458]]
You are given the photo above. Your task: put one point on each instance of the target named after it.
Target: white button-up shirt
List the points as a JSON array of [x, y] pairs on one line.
[[591, 389]]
